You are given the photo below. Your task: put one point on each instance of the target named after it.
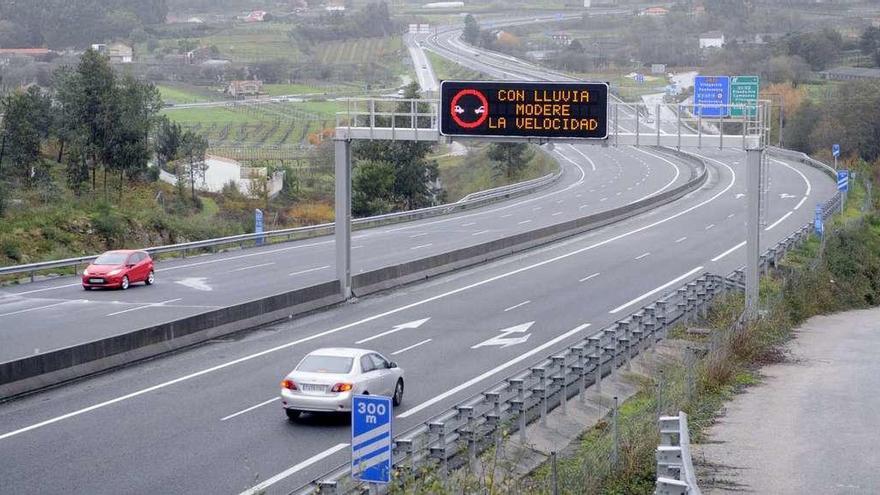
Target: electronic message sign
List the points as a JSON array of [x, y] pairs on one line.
[[524, 109]]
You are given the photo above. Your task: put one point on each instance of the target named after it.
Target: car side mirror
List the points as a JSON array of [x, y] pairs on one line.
[[130, 265], [392, 365]]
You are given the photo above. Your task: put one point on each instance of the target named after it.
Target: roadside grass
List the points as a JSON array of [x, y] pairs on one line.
[[463, 175], [447, 70]]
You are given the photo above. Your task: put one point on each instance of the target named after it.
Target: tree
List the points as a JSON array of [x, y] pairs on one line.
[[471, 32], [168, 138], [510, 157], [870, 44], [193, 149], [372, 188], [20, 140]]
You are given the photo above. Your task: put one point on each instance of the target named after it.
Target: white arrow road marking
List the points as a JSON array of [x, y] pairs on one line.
[[740, 195], [504, 341], [197, 283], [397, 328]]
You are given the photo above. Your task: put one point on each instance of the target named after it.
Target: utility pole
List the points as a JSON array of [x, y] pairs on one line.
[[754, 152], [343, 214]]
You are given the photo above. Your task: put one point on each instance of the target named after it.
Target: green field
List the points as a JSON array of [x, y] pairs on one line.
[[179, 95], [447, 70], [255, 43], [275, 124], [358, 51]]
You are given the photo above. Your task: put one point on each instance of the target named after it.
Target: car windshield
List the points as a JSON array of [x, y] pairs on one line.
[[325, 364], [110, 259]]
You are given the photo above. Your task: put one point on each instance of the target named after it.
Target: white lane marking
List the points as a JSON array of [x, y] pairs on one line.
[[517, 306], [645, 255], [239, 413], [381, 315], [396, 328], [800, 203], [251, 267], [731, 215], [197, 283], [35, 309], [804, 177], [725, 253], [493, 371], [310, 270], [603, 199], [418, 235], [44, 289], [154, 305], [249, 255], [507, 215], [421, 246], [557, 213], [588, 277], [671, 182], [654, 291], [356, 247], [524, 222], [468, 224], [774, 224], [480, 232], [410, 347], [592, 165], [710, 226], [619, 193], [536, 208], [583, 206], [680, 239], [261, 488]]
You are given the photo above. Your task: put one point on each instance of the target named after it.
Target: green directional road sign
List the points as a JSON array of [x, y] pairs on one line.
[[743, 91]]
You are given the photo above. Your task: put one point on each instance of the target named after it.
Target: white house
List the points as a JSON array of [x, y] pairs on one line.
[[712, 39]]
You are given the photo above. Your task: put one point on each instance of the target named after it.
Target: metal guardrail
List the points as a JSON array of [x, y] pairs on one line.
[[675, 468], [478, 199], [457, 436]]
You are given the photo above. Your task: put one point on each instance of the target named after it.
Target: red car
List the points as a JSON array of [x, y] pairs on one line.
[[119, 269]]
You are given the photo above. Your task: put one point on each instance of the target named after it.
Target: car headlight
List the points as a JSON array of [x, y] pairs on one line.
[[115, 272], [86, 272]]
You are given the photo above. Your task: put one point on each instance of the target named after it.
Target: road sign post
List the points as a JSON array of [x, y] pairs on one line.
[[843, 186], [744, 91], [818, 222], [371, 435], [258, 225], [711, 96], [835, 151], [754, 154], [342, 223]]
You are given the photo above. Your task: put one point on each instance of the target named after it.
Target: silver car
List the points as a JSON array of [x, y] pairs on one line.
[[326, 379]]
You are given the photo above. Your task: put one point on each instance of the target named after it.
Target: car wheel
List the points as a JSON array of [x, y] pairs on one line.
[[124, 284], [150, 278], [292, 414], [86, 287], [397, 399]]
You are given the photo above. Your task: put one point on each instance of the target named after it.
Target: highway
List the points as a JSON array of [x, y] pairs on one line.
[[31, 315], [206, 420]]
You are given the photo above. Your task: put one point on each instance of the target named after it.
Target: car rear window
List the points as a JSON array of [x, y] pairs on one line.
[[325, 364], [111, 259]]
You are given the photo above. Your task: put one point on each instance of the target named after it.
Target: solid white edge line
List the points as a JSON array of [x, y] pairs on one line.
[[298, 467], [579, 152], [654, 291], [497, 369], [310, 270], [800, 203], [674, 178], [410, 347], [148, 305], [379, 315], [261, 404], [725, 253], [774, 224]]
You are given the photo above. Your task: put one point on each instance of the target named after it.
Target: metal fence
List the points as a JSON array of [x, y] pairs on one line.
[[675, 468]]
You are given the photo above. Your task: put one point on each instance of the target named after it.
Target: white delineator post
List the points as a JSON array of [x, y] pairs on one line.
[[343, 215]]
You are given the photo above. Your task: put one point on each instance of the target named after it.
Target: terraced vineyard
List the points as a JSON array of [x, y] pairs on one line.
[[358, 51], [258, 124]]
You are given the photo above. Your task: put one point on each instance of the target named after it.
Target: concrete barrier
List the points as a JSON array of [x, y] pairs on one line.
[[50, 368], [54, 367]]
